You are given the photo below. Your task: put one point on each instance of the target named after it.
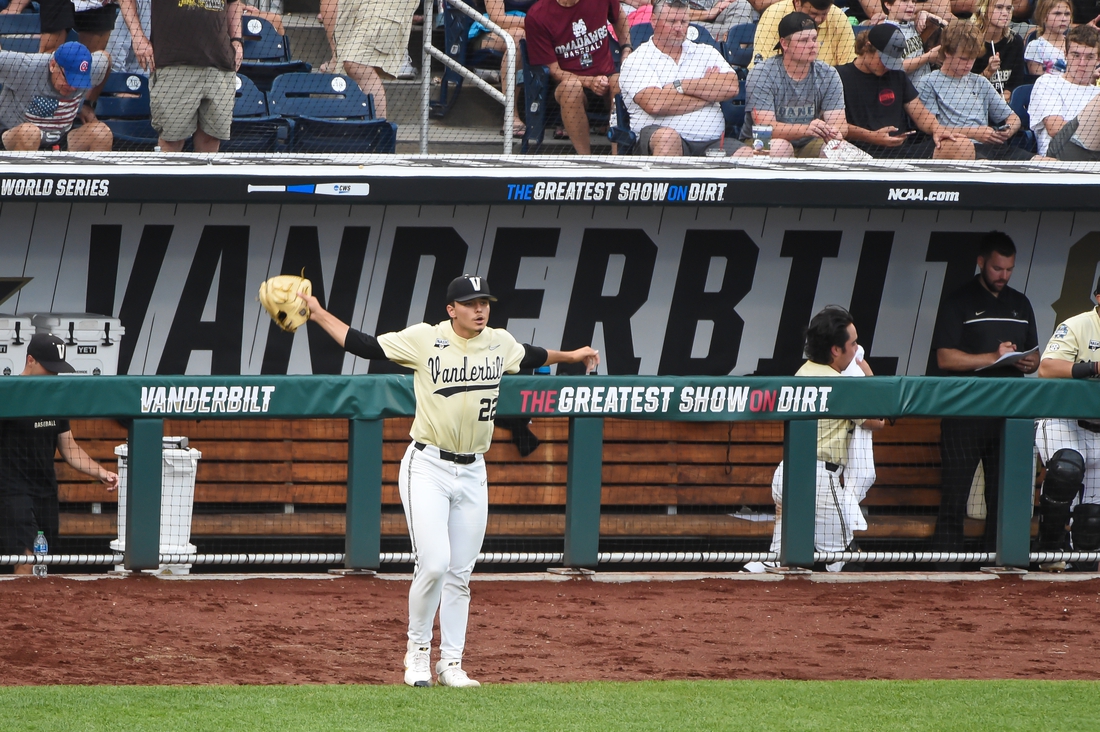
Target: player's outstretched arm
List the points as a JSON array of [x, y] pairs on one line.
[[588, 355], [74, 455], [335, 327]]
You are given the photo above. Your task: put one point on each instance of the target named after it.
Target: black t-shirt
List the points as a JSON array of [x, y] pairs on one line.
[[1013, 71], [972, 320], [27, 449], [873, 102], [1085, 10]]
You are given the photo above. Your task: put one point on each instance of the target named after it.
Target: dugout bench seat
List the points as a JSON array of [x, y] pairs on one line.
[[287, 478]]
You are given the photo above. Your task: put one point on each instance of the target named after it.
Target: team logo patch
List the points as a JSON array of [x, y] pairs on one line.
[[1062, 331], [1053, 347], [83, 66], [579, 28], [442, 343], [1094, 345]]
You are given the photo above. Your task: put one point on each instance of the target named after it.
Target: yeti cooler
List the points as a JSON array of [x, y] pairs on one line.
[[92, 340], [15, 333]]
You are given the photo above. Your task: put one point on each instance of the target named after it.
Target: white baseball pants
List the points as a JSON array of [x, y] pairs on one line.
[[446, 506], [836, 512], [1052, 435]]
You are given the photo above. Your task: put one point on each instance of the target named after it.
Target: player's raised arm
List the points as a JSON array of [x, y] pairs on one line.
[[588, 355], [335, 327]]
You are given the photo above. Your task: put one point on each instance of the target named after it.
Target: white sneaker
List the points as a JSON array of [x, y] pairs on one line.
[[418, 665], [407, 70], [451, 674]]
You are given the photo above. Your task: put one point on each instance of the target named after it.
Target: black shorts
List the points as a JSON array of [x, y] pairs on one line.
[[47, 143], [985, 151], [22, 517], [60, 15], [916, 147]]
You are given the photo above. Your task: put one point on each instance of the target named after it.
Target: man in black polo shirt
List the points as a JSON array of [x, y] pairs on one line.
[[977, 325], [28, 482]]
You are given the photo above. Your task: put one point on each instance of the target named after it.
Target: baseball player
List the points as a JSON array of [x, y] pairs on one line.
[[457, 368], [1070, 449], [831, 347]]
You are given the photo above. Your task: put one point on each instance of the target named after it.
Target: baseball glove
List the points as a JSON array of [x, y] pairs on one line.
[[279, 296]]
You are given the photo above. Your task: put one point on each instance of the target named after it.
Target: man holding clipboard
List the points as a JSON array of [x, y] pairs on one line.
[[977, 326]]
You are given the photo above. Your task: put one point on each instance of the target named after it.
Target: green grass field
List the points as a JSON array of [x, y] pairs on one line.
[[655, 705]]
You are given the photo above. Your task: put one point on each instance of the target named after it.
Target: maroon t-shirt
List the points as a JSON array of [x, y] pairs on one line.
[[577, 37]]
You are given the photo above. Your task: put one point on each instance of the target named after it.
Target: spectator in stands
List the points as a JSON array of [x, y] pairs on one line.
[[799, 97], [511, 16], [978, 324], [1002, 57], [718, 16], [42, 95], [967, 103], [193, 67], [1079, 139], [885, 115], [672, 88], [913, 22], [93, 22], [1045, 54], [571, 37], [28, 483], [1057, 98], [1086, 11], [372, 40], [831, 346], [834, 32]]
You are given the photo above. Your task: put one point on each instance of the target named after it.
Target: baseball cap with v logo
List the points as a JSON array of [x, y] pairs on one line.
[[49, 351]]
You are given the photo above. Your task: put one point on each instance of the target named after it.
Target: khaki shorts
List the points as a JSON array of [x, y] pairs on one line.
[[374, 32], [187, 98], [811, 149]]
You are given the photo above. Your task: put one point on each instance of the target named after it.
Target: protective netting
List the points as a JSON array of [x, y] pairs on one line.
[[850, 81]]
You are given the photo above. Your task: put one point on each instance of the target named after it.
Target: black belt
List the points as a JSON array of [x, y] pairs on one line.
[[1087, 425], [451, 457], [832, 467]]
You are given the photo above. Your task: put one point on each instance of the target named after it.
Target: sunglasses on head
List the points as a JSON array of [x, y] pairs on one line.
[[691, 4]]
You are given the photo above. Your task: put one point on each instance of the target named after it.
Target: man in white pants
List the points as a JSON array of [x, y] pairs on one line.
[[457, 367], [831, 347]]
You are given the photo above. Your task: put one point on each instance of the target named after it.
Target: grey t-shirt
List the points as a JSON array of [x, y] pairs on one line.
[[29, 96], [967, 101], [771, 89]]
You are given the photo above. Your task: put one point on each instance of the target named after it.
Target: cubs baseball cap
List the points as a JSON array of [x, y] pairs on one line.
[[76, 61], [49, 350], [888, 39], [468, 287], [794, 23]]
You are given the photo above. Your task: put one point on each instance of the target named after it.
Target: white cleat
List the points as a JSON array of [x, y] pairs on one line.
[[451, 674], [418, 665], [1053, 567]]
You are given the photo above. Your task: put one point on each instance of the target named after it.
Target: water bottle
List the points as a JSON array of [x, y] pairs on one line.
[[41, 549]]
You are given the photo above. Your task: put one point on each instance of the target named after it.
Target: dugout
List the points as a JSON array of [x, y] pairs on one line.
[[687, 269]]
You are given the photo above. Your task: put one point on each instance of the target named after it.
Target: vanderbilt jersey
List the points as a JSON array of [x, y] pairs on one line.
[[833, 435], [1076, 340], [456, 381]]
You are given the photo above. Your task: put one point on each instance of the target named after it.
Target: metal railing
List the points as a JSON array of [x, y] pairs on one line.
[[507, 96]]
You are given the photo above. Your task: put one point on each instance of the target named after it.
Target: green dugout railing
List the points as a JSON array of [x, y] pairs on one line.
[[146, 401]]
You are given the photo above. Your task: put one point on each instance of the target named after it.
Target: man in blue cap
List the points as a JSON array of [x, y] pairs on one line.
[[42, 96]]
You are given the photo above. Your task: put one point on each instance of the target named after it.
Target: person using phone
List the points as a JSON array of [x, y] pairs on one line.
[[886, 118]]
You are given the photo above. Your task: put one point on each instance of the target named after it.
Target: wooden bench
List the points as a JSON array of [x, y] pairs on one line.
[[287, 478]]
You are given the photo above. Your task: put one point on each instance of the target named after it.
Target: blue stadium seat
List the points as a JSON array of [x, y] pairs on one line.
[[329, 113], [456, 31], [620, 133], [1021, 100], [642, 32], [255, 129], [24, 44], [266, 53], [21, 24], [123, 105], [738, 47]]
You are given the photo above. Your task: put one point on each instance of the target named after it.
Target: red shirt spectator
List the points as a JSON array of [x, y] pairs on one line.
[[575, 37]]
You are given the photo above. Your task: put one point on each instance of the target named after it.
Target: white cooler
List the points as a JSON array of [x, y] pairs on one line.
[[177, 499], [15, 334], [92, 340]]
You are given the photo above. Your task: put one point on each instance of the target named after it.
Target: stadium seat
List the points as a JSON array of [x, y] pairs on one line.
[[22, 44], [642, 32], [123, 105], [456, 30], [255, 129], [1021, 100], [266, 53], [620, 133], [23, 24], [738, 47], [329, 113], [733, 109]]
